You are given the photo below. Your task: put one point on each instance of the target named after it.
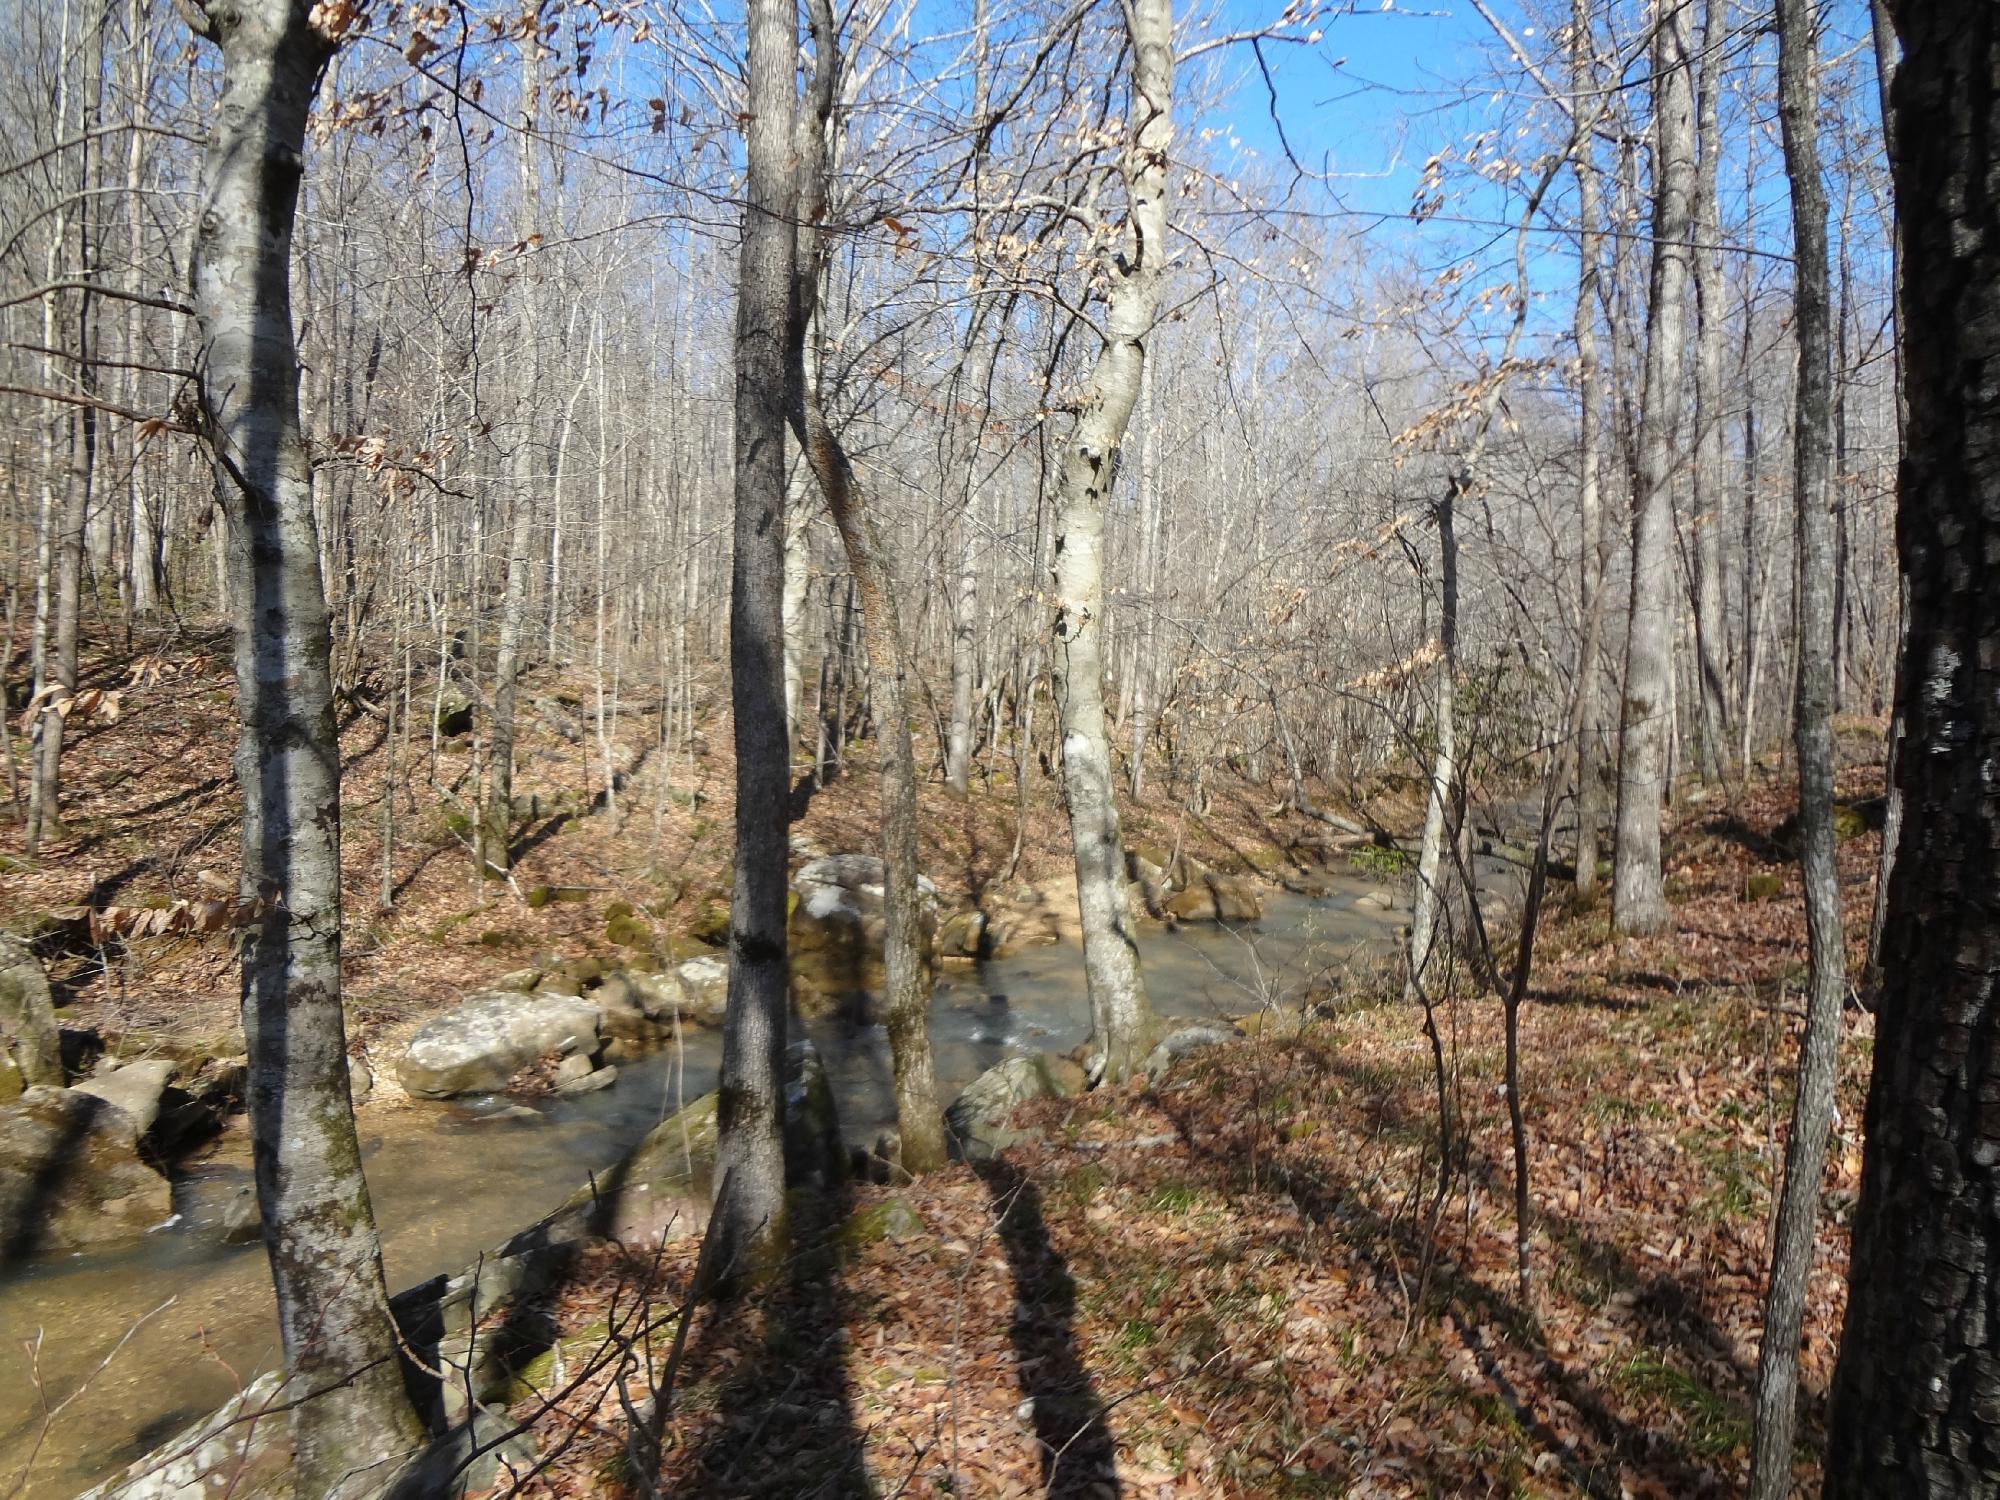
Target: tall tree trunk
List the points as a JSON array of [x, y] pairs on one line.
[[1638, 895], [1590, 459], [983, 350], [494, 836], [1812, 498], [750, 1155], [1918, 1380], [1708, 483], [907, 1006], [339, 1342], [1892, 802], [1140, 684], [1121, 1017], [1428, 899], [798, 592]]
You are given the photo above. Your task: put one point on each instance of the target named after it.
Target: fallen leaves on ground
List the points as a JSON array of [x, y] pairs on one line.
[[1245, 1283]]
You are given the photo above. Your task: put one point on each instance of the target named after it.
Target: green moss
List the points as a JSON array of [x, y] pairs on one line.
[[619, 909], [1762, 885], [629, 931], [539, 896], [891, 1219], [711, 921], [532, 1378]]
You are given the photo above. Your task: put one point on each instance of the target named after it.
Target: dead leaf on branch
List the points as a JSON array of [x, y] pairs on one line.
[[184, 918]]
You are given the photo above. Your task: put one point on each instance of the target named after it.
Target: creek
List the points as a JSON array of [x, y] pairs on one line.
[[127, 1344]]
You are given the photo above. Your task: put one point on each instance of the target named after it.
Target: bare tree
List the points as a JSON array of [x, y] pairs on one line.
[[340, 1343], [750, 1155], [1706, 521], [906, 1007], [1638, 895], [1121, 1018], [1812, 462]]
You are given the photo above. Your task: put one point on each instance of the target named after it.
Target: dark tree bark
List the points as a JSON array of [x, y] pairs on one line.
[[750, 1157], [340, 1344], [1916, 1394], [1812, 498]]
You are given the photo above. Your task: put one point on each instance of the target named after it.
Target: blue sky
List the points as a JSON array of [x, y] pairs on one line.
[[1379, 92]]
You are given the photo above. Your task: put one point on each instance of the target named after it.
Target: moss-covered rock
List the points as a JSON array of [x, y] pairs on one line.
[[30, 1046], [891, 1219], [711, 920], [628, 930], [1763, 885]]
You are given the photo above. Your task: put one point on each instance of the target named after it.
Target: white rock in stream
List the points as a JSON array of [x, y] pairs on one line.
[[478, 1047]]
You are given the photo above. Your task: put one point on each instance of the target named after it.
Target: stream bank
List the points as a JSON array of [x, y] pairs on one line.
[[186, 1322]]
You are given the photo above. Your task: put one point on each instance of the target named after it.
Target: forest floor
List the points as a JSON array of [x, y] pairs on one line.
[[151, 819], [1241, 1282]]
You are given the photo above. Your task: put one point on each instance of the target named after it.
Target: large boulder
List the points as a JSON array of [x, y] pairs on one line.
[[977, 1117], [1178, 1044], [639, 1007], [1217, 898], [485, 1041], [1148, 870], [838, 928], [30, 1050], [704, 983], [1019, 917], [71, 1174], [135, 1088]]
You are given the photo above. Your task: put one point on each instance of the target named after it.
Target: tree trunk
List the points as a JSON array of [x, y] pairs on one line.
[[1147, 624], [1812, 1103], [339, 1342], [798, 591], [1706, 522], [907, 1006], [1638, 896], [1590, 458], [491, 844], [1918, 1382], [1428, 899], [1121, 1018], [750, 1156], [1892, 809]]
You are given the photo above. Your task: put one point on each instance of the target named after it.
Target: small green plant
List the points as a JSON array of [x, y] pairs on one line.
[[1383, 861], [1716, 1426]]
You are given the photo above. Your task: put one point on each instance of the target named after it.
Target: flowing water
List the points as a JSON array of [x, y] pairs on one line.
[[105, 1353]]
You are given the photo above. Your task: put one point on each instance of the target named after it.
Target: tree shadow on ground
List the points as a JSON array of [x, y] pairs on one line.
[[1604, 1450], [1078, 1455], [786, 1429]]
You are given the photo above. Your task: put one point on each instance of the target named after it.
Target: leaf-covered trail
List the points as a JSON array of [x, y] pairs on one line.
[[1240, 1283]]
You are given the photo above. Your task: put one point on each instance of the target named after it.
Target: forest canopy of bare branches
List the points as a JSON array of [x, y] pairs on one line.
[[561, 557]]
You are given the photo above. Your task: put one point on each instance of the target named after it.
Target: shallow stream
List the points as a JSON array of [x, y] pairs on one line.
[[125, 1346]]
